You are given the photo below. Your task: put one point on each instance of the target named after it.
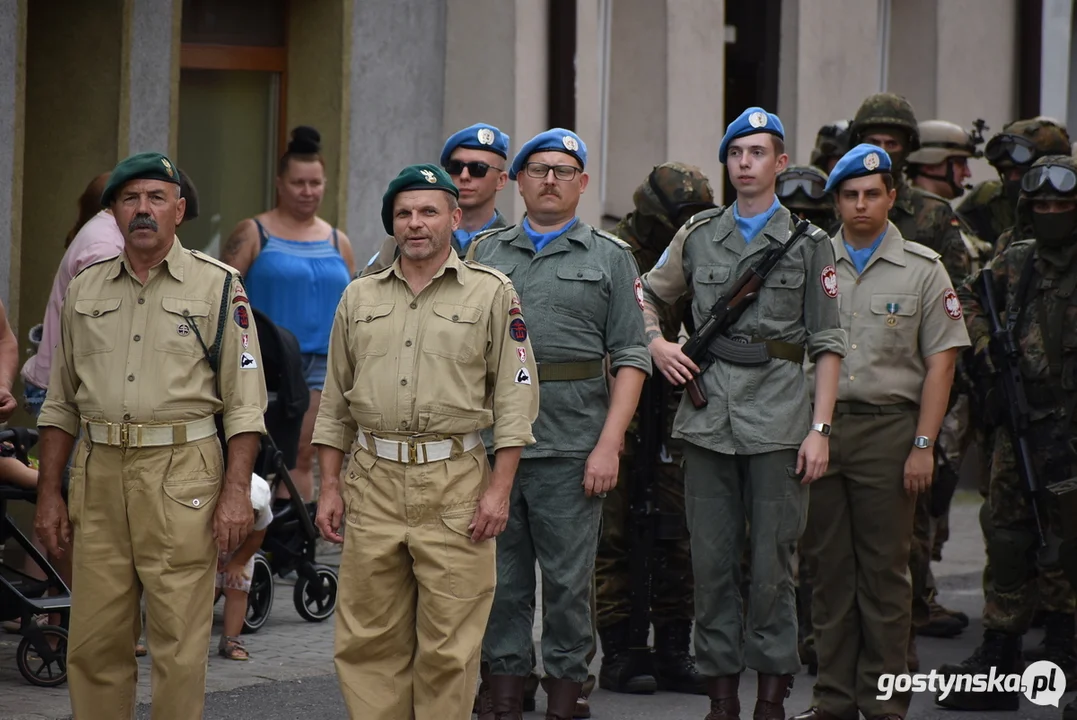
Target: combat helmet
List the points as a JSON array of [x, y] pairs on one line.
[[831, 142], [802, 189], [885, 110], [673, 192], [1051, 177], [940, 140], [1022, 142]]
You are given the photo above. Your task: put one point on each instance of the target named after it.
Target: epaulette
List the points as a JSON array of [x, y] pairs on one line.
[[475, 265], [612, 238], [922, 250], [213, 261], [110, 258], [818, 234], [701, 218], [470, 254]]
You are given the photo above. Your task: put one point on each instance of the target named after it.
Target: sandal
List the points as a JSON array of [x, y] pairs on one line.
[[232, 648]]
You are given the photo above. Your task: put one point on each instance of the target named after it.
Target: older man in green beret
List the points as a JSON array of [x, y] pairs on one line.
[[422, 356], [154, 343]]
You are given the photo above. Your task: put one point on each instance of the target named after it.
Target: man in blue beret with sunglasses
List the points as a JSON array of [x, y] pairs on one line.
[[580, 288], [1034, 282], [475, 159], [905, 330], [752, 450]]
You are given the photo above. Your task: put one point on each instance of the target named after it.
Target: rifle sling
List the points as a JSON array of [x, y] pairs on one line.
[[756, 352]]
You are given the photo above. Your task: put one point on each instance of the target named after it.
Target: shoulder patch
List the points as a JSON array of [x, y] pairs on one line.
[[923, 251], [701, 218], [213, 261], [611, 238]]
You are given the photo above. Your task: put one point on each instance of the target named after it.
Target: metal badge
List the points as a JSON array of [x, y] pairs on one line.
[[184, 329]]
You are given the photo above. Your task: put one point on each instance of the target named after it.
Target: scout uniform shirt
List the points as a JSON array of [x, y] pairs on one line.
[[447, 361], [765, 408], [580, 294], [389, 251], [129, 353], [898, 311]]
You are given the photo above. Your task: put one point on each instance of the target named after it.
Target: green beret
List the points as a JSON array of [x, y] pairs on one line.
[[414, 177], [143, 166]]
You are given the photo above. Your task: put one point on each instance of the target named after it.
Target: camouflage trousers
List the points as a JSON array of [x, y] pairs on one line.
[[1014, 586], [672, 592]]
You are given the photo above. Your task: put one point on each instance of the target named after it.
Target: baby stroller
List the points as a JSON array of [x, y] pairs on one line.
[[22, 596], [291, 539]]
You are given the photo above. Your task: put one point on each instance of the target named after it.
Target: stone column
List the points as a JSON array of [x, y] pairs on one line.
[[12, 98], [149, 92]]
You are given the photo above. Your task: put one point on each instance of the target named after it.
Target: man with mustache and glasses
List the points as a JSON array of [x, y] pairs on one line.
[[475, 159], [581, 290], [154, 342]]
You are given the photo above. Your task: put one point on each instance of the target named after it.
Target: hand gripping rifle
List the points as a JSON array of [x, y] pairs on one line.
[[728, 310]]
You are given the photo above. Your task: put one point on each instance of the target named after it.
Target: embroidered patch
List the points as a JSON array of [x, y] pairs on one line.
[[240, 299], [662, 260], [241, 318], [246, 339], [638, 285], [829, 280], [517, 330], [514, 311], [951, 304], [522, 354], [247, 362], [523, 377]]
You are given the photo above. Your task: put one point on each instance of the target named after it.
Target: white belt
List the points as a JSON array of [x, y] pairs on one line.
[[132, 435], [413, 451]]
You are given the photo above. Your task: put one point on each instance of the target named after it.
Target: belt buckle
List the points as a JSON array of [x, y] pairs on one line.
[[413, 452]]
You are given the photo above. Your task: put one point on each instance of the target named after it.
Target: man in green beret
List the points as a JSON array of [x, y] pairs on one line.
[[154, 343], [422, 356]]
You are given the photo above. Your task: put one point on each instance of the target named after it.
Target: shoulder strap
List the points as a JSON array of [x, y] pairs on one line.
[[262, 233], [213, 353], [334, 240]]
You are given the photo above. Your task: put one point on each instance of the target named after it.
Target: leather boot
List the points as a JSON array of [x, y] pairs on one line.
[[561, 697], [725, 703], [1059, 646], [622, 670], [675, 668], [483, 706], [770, 702], [531, 686], [506, 697], [999, 650]]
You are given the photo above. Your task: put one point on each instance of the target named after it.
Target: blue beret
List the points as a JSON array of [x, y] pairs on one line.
[[143, 166], [414, 177], [479, 136], [557, 139], [751, 121], [862, 160]]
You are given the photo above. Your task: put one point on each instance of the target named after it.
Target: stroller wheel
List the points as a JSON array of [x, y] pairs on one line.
[[316, 602], [38, 662], [260, 598]]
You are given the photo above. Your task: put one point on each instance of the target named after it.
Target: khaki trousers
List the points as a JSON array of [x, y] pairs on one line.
[[857, 541], [414, 590], [143, 523]]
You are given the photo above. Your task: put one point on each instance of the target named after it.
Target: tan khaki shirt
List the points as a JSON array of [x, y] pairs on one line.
[[129, 352], [444, 361], [897, 312]]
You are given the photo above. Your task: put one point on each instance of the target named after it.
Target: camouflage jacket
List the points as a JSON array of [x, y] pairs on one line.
[[987, 212], [1045, 328], [929, 220]]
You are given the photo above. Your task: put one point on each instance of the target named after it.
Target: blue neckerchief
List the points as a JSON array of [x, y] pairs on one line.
[[752, 226], [541, 240], [464, 237], [860, 257]]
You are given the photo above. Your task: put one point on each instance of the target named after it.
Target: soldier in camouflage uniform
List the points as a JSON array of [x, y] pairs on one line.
[[672, 193], [831, 142], [1034, 281], [989, 207], [888, 121]]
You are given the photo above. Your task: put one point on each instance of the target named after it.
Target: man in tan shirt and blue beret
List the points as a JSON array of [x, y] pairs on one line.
[[154, 343], [423, 355], [905, 329]]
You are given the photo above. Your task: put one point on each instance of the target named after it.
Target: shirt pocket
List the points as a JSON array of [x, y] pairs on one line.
[[373, 329], [708, 281], [580, 292], [99, 326], [175, 332], [784, 299], [895, 317], [451, 331]]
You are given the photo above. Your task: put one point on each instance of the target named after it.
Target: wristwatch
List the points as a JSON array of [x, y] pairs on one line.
[[821, 428], [922, 441]]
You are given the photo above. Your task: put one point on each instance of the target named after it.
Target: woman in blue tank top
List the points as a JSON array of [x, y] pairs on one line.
[[295, 267]]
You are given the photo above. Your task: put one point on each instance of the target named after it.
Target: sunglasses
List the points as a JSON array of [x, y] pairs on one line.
[[808, 183], [1015, 148], [1061, 178], [475, 168]]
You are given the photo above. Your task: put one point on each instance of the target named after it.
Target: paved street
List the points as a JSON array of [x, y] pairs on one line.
[[291, 672]]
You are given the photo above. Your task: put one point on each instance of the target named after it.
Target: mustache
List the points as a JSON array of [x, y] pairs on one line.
[[550, 191], [142, 221]]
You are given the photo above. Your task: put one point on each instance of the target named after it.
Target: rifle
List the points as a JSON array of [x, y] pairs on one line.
[[728, 310], [1005, 356]]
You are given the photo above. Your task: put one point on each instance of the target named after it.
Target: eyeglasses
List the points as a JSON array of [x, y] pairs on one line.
[[1061, 178], [476, 168], [1017, 149], [810, 184], [539, 170]]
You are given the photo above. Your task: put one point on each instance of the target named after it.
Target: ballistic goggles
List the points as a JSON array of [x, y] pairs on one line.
[[1010, 148], [1060, 177], [812, 185]]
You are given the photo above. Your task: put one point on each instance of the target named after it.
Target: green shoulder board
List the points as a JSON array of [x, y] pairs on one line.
[[612, 238], [470, 254], [817, 234], [702, 218]]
